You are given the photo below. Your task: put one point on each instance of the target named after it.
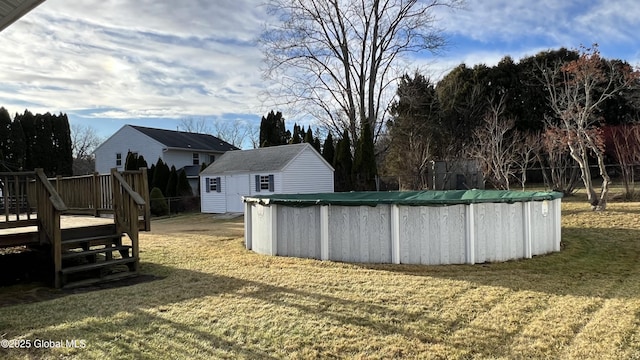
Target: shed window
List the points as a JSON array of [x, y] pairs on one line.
[[264, 182], [196, 159], [214, 184], [118, 159]]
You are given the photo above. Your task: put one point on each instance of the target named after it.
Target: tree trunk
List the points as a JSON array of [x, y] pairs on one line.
[[606, 180], [579, 154]]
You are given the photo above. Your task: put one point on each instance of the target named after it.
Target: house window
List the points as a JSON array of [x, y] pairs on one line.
[[264, 182], [118, 159], [196, 159]]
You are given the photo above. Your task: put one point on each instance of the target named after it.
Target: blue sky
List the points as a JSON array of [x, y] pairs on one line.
[[155, 62]]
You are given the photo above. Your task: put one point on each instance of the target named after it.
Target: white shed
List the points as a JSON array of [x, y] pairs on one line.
[[285, 169]]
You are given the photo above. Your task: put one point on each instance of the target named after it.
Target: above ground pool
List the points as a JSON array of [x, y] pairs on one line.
[[412, 227]]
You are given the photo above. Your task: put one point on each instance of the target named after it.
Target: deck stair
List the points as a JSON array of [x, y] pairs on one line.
[[82, 255], [95, 254]]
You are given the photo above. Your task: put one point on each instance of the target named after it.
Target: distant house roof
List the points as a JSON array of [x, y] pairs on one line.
[[274, 158], [186, 140]]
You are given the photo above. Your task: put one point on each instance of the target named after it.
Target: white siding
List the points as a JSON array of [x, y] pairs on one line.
[[428, 235], [124, 140], [213, 202], [307, 173], [277, 183]]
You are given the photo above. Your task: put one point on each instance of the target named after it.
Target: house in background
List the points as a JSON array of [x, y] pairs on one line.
[[184, 150], [285, 169]]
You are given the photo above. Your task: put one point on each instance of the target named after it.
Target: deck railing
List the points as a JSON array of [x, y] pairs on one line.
[[127, 208], [50, 207], [17, 199]]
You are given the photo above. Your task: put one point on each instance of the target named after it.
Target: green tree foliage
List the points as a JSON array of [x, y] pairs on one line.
[[31, 141], [343, 164], [142, 163], [328, 149], [415, 132], [161, 175], [364, 163], [159, 206], [183, 188], [5, 137], [316, 144], [297, 135], [131, 163], [273, 131], [170, 190]]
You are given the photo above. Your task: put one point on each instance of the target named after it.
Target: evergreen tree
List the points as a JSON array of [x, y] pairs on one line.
[[131, 162], [364, 164], [296, 136], [161, 175], [316, 144], [170, 190], [142, 163], [16, 159], [203, 166], [343, 164], [328, 149], [150, 174], [5, 136], [61, 145], [308, 136], [183, 188], [273, 131]]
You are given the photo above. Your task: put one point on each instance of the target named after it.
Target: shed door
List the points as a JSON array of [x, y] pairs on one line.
[[237, 186]]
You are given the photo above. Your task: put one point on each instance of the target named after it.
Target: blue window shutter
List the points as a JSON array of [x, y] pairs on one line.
[[257, 183], [271, 183], [207, 183], [218, 184]]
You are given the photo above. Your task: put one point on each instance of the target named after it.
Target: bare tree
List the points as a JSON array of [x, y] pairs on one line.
[[496, 146], [337, 59], [235, 132], [195, 125], [576, 92], [84, 140], [558, 168], [526, 151], [626, 146]]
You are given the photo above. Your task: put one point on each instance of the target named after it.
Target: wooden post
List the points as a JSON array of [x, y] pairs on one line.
[[97, 194]]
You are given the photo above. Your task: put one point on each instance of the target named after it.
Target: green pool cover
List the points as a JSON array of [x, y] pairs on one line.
[[410, 198]]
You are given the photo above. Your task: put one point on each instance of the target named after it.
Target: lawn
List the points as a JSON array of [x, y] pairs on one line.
[[214, 299]]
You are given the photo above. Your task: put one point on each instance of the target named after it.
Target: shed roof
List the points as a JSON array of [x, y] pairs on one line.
[[273, 158], [186, 140]]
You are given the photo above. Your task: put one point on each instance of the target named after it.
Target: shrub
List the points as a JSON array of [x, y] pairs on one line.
[[159, 204]]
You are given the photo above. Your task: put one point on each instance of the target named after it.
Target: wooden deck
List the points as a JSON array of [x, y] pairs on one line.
[[66, 217]]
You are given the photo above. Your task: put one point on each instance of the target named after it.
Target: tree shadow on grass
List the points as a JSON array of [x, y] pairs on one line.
[[593, 262], [143, 304]]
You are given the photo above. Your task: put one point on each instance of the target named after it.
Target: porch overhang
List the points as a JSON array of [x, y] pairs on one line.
[[12, 10]]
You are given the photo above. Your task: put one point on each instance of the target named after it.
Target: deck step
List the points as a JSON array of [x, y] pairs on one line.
[[88, 231], [73, 254], [91, 241], [97, 265], [106, 278]]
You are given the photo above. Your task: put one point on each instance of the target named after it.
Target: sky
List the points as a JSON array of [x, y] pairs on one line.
[[107, 63]]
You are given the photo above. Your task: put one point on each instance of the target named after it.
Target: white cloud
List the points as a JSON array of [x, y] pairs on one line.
[[146, 58]]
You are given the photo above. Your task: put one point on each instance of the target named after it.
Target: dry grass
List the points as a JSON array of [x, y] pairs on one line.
[[218, 300]]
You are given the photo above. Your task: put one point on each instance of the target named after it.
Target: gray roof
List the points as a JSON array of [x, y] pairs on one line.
[[273, 158], [186, 140], [12, 10]]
